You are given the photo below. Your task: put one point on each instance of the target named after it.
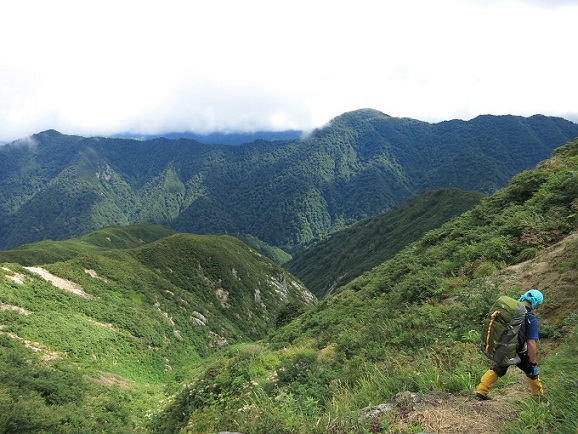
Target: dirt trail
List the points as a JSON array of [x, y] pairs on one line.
[[448, 414], [539, 272]]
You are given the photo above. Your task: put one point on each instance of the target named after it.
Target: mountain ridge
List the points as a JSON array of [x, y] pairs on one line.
[[336, 260], [284, 193], [220, 138]]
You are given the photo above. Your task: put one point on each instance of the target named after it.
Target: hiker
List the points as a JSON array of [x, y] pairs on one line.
[[527, 352]]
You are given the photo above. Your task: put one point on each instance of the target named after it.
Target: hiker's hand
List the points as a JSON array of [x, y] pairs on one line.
[[534, 370]]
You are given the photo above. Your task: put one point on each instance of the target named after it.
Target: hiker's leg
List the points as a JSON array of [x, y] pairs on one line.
[[536, 388], [488, 380]]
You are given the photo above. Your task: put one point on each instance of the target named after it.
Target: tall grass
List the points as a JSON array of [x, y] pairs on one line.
[[557, 411]]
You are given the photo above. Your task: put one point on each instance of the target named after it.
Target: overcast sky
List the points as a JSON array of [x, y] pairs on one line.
[[109, 66]]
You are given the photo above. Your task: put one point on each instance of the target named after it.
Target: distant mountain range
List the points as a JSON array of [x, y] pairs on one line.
[[219, 138], [285, 193]]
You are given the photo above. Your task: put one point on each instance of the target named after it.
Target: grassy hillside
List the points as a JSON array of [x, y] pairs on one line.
[[92, 343], [284, 193], [113, 237], [278, 255], [335, 261], [412, 324]]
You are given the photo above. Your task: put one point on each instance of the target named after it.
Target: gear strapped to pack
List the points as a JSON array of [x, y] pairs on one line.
[[501, 331]]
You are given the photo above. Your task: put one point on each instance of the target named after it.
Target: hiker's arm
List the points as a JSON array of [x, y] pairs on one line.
[[532, 350]]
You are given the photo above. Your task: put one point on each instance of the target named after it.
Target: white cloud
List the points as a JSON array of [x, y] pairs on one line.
[[110, 66]]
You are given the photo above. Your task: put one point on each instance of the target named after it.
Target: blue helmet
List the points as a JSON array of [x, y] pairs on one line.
[[533, 296]]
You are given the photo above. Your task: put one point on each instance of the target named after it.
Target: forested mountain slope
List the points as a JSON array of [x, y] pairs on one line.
[[92, 343], [413, 324], [285, 192], [335, 261]]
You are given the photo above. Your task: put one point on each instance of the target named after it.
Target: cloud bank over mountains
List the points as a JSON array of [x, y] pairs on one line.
[[100, 68]]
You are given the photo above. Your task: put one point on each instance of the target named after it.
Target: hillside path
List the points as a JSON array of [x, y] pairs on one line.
[[449, 414]]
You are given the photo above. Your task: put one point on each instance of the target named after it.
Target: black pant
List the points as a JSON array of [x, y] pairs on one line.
[[525, 365]]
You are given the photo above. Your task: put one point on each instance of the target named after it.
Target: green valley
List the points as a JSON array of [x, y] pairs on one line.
[[335, 261]]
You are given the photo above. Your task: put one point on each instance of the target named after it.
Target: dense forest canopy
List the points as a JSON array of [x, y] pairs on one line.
[[285, 193]]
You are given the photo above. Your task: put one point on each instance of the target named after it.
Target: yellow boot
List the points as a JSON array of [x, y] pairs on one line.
[[536, 387], [487, 381]]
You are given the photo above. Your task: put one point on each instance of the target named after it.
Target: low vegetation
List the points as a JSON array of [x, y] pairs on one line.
[[337, 260], [98, 349]]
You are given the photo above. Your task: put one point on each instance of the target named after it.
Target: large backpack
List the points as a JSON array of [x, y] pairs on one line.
[[503, 330]]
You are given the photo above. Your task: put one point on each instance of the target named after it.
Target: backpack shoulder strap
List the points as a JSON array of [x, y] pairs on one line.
[[522, 346]]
